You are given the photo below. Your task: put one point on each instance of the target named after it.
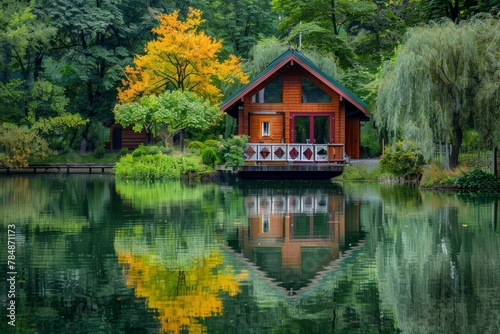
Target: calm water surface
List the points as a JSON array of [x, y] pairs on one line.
[[92, 255]]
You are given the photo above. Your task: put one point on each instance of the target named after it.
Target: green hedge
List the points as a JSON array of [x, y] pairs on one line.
[[149, 164], [147, 167]]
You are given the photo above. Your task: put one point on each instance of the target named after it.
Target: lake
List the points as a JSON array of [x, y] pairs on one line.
[[89, 254]]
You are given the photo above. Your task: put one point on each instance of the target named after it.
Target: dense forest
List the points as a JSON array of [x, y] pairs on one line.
[[62, 63]]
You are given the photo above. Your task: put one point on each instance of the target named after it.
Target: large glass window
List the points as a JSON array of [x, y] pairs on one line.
[[313, 94], [311, 129], [272, 93]]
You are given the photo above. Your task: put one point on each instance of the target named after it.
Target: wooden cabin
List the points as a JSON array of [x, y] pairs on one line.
[[126, 137], [294, 113]]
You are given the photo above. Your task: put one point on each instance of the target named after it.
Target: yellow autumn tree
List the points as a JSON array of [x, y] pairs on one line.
[[180, 58]]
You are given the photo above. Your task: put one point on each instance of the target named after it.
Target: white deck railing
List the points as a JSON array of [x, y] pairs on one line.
[[312, 153]]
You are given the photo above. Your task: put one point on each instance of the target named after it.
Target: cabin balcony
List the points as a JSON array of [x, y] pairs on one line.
[[273, 153]]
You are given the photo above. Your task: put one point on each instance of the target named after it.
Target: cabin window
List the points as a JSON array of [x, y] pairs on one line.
[[266, 129], [272, 93], [266, 225], [313, 94]]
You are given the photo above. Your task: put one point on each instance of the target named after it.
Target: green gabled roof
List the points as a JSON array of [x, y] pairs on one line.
[[308, 65]]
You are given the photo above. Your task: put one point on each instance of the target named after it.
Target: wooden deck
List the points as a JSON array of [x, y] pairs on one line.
[[299, 171], [61, 168]]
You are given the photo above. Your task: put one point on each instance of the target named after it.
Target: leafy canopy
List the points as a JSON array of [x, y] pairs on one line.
[[167, 113], [180, 58], [444, 79]]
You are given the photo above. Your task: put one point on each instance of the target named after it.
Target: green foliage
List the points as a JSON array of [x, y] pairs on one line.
[[208, 156], [195, 145], [239, 23], [230, 151], [442, 77], [478, 180], [211, 143], [56, 130], [142, 150], [359, 173], [79, 158], [149, 164], [19, 145], [192, 165], [370, 139], [99, 152], [403, 160], [168, 113], [149, 167], [124, 151]]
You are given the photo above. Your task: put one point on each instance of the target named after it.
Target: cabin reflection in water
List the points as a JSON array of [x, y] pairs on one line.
[[294, 236]]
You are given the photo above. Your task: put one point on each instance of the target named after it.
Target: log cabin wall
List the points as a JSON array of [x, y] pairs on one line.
[[126, 137], [250, 124], [353, 136]]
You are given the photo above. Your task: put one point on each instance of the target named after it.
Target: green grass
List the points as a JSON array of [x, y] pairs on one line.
[[77, 157], [359, 173]]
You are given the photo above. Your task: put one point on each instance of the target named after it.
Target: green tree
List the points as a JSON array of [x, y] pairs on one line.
[[457, 10], [444, 79], [24, 40], [323, 23], [268, 49], [168, 113], [95, 41], [240, 23]]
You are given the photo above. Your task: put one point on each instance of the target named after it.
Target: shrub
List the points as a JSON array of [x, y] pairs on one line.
[[477, 179], [211, 143], [99, 152], [152, 167], [191, 164], [146, 150], [123, 151], [147, 167], [208, 156], [20, 145], [403, 161], [230, 151], [196, 145]]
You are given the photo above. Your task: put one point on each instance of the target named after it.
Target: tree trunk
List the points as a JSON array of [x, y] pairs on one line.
[[181, 140], [334, 18], [457, 141], [494, 161]]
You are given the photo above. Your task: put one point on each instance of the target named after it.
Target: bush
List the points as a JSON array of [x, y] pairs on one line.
[[147, 167], [146, 150], [477, 179], [196, 145], [208, 156], [99, 152], [230, 151], [123, 151], [403, 161], [20, 145], [152, 167], [191, 165], [211, 143]]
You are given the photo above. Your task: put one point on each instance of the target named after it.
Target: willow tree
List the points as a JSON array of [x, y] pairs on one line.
[[445, 78]]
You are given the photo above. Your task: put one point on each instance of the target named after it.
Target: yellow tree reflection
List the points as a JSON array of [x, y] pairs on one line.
[[181, 296]]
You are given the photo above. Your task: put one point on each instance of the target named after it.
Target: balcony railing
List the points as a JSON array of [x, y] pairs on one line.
[[286, 153]]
